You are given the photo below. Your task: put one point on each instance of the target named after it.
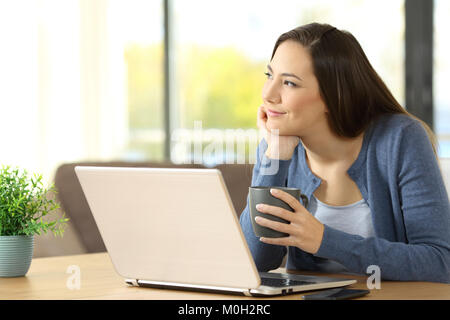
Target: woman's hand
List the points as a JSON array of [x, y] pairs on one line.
[[278, 147], [305, 231]]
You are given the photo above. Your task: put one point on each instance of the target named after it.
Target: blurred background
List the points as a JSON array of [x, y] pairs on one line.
[[101, 80]]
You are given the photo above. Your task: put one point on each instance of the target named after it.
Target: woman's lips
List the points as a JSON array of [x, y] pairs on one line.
[[273, 113]]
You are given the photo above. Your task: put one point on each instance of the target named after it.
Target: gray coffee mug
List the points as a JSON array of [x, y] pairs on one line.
[[259, 195]]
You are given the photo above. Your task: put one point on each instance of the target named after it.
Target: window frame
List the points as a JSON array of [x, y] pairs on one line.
[[419, 25]]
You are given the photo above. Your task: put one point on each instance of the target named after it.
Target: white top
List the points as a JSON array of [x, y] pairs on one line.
[[354, 218]]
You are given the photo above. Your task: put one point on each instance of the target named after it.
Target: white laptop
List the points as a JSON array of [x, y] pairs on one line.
[[177, 229]]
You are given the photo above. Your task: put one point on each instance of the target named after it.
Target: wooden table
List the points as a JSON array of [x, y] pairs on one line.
[[48, 278]]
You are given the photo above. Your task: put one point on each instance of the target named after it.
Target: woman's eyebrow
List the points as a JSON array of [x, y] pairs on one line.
[[285, 74]]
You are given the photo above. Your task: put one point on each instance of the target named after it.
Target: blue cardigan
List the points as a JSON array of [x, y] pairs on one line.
[[399, 177]]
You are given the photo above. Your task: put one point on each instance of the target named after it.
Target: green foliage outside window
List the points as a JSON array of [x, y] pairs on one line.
[[219, 86]]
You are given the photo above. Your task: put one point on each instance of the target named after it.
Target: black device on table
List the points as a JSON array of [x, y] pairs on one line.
[[337, 294]]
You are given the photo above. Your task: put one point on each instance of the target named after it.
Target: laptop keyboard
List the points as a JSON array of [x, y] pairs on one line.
[[282, 282]]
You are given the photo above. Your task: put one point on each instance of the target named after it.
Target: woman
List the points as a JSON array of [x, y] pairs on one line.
[[369, 169]]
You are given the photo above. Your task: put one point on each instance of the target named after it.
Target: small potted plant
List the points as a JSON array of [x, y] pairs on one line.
[[27, 208]]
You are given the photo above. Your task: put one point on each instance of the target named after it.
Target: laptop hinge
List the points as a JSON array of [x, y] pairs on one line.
[[247, 293], [132, 282]]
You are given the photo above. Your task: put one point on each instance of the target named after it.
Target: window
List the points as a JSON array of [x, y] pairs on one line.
[[442, 76], [93, 74], [136, 31]]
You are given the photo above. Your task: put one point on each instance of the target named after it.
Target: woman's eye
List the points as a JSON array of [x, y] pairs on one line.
[[290, 84], [268, 75]]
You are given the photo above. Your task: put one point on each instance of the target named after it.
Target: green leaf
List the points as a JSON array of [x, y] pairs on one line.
[[24, 200]]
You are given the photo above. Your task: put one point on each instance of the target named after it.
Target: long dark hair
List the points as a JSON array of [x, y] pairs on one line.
[[352, 90]]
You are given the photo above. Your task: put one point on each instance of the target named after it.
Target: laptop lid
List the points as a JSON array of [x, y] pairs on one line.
[[169, 225]]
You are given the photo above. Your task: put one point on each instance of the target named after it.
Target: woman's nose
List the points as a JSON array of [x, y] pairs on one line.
[[271, 93]]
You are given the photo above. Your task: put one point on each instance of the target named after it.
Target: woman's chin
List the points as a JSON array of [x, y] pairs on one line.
[[272, 125], [277, 128]]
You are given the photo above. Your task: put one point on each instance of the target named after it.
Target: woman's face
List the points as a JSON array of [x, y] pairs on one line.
[[291, 93]]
